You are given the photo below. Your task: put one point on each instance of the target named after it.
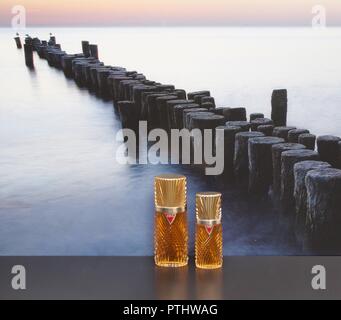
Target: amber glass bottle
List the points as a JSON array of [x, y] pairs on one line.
[[171, 232], [209, 232]]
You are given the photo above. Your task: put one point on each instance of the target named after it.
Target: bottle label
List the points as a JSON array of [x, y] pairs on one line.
[[170, 217], [209, 224], [209, 229], [170, 212]]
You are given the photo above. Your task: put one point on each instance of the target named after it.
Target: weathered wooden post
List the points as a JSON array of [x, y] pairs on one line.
[[260, 122], [181, 93], [77, 72], [170, 105], [86, 72], [110, 80], [221, 111], [94, 79], [153, 116], [144, 99], [277, 151], [191, 95], [260, 163], [294, 134], [165, 87], [178, 113], [102, 77], [244, 125], [323, 211], [52, 41], [116, 86], [289, 159], [229, 147], [279, 104], [235, 114], [197, 99], [18, 42], [301, 170], [202, 122], [254, 116], [328, 148], [188, 112], [282, 132], [307, 139], [266, 129], [137, 91], [128, 115], [86, 48], [94, 51], [207, 99], [187, 117], [125, 87], [163, 110], [241, 155], [67, 64], [28, 55], [208, 105]]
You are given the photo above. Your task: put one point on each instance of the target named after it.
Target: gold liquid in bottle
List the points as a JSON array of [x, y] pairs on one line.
[[171, 233], [209, 231]]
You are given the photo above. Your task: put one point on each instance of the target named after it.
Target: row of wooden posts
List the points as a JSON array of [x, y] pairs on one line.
[[263, 154]]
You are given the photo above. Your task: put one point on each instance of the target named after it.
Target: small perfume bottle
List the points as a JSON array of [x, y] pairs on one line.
[[171, 232], [209, 231]]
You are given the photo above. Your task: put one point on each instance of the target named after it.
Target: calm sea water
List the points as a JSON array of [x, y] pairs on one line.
[[61, 190]]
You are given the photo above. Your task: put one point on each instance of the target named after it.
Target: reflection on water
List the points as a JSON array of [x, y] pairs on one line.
[[61, 190]]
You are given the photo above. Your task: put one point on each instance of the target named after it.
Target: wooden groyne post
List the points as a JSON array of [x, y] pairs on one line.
[[241, 155], [323, 211], [277, 151], [328, 148], [28, 49], [279, 107], [260, 163], [301, 170], [86, 48], [289, 159], [94, 51], [18, 42]]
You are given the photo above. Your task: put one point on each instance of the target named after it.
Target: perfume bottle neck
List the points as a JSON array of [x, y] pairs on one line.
[[208, 222]]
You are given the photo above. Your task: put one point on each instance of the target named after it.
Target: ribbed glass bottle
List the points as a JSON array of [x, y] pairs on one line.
[[171, 231], [209, 231]]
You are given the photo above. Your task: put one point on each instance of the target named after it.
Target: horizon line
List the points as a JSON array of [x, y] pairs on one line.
[[172, 26]]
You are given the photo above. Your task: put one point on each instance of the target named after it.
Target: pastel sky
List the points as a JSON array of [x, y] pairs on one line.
[[170, 12]]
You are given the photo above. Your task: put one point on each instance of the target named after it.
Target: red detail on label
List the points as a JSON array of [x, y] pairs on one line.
[[209, 229], [170, 217]]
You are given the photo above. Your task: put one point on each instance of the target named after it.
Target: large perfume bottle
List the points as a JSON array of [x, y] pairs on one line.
[[209, 231], [171, 232]]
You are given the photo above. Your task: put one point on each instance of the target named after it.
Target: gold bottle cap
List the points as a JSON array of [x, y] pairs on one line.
[[170, 193], [208, 206]]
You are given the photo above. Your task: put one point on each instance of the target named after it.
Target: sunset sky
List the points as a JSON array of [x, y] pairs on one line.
[[170, 12]]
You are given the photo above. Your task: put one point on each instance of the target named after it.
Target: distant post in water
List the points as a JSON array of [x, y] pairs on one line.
[[18, 42], [28, 55], [279, 105], [94, 50], [52, 41], [86, 48]]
